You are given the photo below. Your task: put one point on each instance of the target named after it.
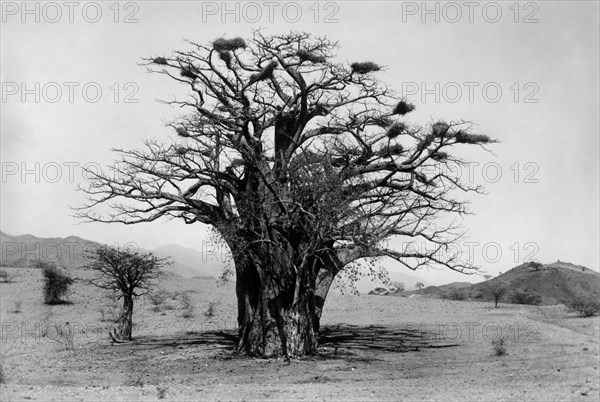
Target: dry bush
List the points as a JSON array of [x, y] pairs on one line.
[[65, 335], [210, 310], [186, 303], [454, 294], [56, 283], [519, 297], [158, 299], [585, 307], [499, 346], [6, 277], [162, 392]]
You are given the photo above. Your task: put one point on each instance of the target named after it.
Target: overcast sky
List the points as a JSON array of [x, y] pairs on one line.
[[526, 74]]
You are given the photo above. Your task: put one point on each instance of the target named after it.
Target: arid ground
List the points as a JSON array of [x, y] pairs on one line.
[[372, 348]]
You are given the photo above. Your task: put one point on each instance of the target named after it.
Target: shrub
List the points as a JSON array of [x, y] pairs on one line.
[[186, 303], [454, 294], [56, 285], [158, 298], [5, 277], [499, 347], [585, 307], [162, 392], [536, 266], [210, 310], [111, 313], [519, 297]]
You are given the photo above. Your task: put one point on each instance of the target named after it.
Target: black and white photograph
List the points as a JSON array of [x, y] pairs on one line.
[[300, 200]]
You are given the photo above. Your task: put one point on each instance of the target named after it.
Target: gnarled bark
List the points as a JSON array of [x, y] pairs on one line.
[[124, 324], [272, 321]]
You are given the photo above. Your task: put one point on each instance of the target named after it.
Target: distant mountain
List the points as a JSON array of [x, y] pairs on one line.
[[191, 262], [554, 282], [68, 252], [24, 250]]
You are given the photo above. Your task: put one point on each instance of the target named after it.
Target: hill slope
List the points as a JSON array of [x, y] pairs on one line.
[[554, 282]]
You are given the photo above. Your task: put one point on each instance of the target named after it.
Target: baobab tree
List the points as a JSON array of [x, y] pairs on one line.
[[304, 166]]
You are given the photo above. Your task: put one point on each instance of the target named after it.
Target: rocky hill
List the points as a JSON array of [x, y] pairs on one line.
[[554, 283]]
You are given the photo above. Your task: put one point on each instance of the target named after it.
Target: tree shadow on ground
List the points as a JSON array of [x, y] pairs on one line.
[[334, 340], [378, 337]]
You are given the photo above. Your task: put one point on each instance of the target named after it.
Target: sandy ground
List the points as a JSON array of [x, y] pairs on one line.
[[372, 348]]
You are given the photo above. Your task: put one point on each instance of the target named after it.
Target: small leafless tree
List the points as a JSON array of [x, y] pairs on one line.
[[497, 290], [128, 274], [420, 285]]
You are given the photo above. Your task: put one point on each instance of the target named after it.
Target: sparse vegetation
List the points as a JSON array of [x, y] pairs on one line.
[[56, 283], [397, 287], [158, 298], [2, 375], [6, 277], [136, 380], [162, 392], [210, 310], [499, 346], [186, 303], [109, 314], [454, 294], [585, 307], [522, 297], [419, 285], [536, 266], [66, 335]]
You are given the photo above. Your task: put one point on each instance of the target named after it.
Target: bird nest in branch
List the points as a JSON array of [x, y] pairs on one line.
[[403, 108], [364, 67], [265, 73], [223, 44], [396, 130], [305, 55], [160, 60]]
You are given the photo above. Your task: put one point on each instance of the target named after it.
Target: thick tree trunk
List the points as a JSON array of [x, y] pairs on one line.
[[122, 331], [324, 280], [270, 323]]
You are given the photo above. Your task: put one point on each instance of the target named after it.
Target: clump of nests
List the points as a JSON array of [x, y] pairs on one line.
[[226, 57], [182, 132], [160, 60], [364, 67], [225, 45], [305, 55], [463, 137], [403, 108], [440, 129], [265, 73], [396, 130], [187, 73]]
